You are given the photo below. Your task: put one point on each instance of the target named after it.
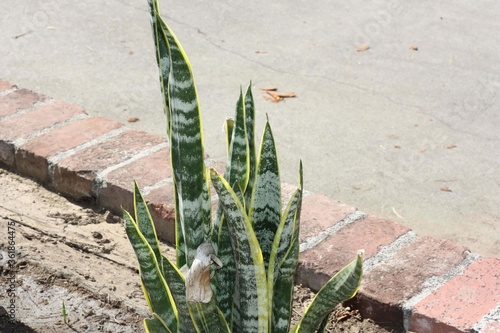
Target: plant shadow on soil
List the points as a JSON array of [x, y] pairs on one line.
[[65, 252]]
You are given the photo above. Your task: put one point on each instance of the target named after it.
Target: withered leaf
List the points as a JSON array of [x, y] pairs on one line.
[[362, 47]]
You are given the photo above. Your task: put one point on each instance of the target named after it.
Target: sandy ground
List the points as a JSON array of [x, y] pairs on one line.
[[82, 257]]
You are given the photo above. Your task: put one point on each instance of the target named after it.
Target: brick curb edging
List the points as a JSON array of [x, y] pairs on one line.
[[411, 282]]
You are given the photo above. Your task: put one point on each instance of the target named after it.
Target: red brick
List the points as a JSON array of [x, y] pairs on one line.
[[493, 327], [31, 158], [37, 119], [30, 123], [319, 212], [162, 208], [17, 100], [388, 285], [116, 191], [324, 260], [462, 301], [4, 85], [73, 175]]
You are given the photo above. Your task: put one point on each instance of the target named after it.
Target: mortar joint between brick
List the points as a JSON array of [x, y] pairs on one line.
[[8, 91], [312, 241], [100, 179], [147, 189], [34, 106], [20, 141], [387, 252], [492, 316], [52, 161], [432, 284]]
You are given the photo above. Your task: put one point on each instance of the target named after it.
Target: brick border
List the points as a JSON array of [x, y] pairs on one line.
[[411, 282]]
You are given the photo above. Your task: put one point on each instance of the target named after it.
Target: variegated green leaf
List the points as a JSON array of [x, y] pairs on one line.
[[250, 129], [283, 290], [225, 277], [282, 265], [237, 165], [342, 286], [157, 292], [228, 128], [186, 142], [207, 317], [265, 206], [175, 281], [156, 325], [145, 222], [251, 299]]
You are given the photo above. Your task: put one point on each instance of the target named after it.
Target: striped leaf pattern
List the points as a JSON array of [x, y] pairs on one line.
[[340, 287], [145, 223], [226, 276], [175, 281], [250, 130], [186, 144], [237, 167], [157, 292], [265, 206], [252, 299], [155, 325], [207, 317], [282, 265]]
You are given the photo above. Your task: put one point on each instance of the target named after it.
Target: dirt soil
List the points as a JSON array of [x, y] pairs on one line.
[[82, 257]]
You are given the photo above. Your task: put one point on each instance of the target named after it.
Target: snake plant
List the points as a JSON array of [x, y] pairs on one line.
[[234, 272]]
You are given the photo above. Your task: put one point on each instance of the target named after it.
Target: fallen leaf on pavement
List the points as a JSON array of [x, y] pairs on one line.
[[445, 189], [133, 120], [269, 89], [362, 47], [276, 96], [414, 48], [451, 147]]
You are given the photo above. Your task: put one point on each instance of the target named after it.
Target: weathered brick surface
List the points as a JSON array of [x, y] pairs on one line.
[[31, 158], [387, 286], [162, 208], [4, 85], [320, 263], [462, 301], [16, 100], [29, 123], [319, 212], [74, 175], [116, 191], [37, 119], [493, 327]]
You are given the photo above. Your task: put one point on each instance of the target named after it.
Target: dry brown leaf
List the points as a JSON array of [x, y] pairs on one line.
[[260, 52], [269, 89], [133, 120], [445, 189], [397, 146], [362, 47], [278, 97], [451, 147], [414, 48]]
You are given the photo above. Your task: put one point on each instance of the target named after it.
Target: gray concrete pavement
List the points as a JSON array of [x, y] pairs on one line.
[[408, 129]]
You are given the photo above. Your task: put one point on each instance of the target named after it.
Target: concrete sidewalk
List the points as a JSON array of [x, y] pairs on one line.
[[407, 129]]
